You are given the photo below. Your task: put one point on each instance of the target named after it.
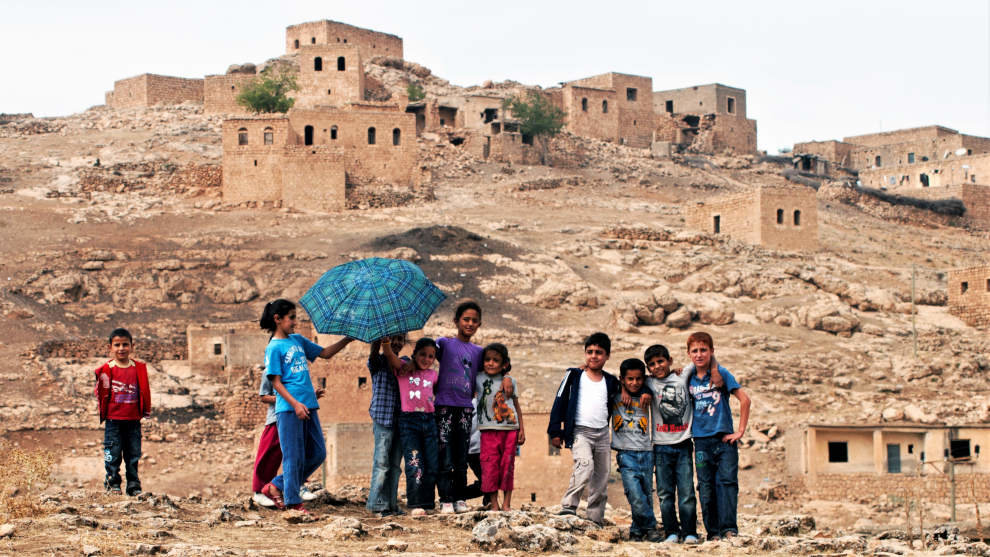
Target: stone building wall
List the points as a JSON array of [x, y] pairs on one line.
[[220, 93], [907, 135], [253, 172], [150, 89], [635, 109], [975, 197], [629, 106], [836, 152], [244, 410], [327, 32], [321, 80], [954, 170], [701, 99], [969, 295], [737, 217], [585, 115], [933, 487], [783, 218]]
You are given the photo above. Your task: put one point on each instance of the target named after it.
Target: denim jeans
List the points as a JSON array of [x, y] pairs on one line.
[[675, 487], [636, 469], [303, 450], [385, 470], [418, 434], [122, 443], [454, 430], [717, 464]]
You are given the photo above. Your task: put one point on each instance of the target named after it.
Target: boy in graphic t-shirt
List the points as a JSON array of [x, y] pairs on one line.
[[123, 398]]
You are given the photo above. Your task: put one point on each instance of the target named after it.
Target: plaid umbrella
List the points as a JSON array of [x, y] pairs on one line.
[[372, 298]]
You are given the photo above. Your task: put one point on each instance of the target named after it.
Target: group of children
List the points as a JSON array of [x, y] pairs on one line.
[[657, 422]]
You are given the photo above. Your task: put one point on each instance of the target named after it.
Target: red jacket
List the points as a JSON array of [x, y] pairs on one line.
[[103, 392]]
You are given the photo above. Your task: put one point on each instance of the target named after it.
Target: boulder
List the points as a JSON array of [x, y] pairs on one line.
[[679, 319], [664, 298], [712, 312], [913, 413]]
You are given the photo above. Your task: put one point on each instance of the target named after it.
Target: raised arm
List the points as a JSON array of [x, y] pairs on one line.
[[744, 403], [717, 380], [329, 351], [376, 347], [397, 365]]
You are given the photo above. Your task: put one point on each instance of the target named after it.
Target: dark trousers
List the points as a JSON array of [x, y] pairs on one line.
[[454, 429], [418, 435], [122, 443], [717, 465], [473, 491]]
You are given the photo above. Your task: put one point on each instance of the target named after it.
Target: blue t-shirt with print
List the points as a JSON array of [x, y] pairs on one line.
[[287, 358], [712, 414]]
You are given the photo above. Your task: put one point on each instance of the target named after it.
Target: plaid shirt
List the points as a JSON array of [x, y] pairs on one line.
[[384, 392]]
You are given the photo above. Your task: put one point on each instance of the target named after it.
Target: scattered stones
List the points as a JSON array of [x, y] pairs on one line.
[[6, 530], [679, 319]]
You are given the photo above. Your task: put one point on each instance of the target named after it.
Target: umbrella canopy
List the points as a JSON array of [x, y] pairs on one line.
[[372, 298]]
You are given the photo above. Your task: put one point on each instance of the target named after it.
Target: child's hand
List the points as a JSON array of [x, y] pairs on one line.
[[677, 370], [301, 411], [521, 438], [625, 398], [507, 386], [732, 437], [644, 400], [555, 442], [320, 391]]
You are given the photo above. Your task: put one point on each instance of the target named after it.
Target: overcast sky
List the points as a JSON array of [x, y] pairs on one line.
[[812, 70]]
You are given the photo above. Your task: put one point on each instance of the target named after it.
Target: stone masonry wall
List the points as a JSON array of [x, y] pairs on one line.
[[701, 99], [797, 230], [636, 116], [253, 172], [973, 169], [129, 93], [594, 121], [220, 93], [329, 85], [833, 151], [173, 90], [973, 304], [869, 487], [326, 32], [975, 197], [738, 217]]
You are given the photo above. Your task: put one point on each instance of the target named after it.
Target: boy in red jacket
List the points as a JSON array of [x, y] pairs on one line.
[[124, 398]]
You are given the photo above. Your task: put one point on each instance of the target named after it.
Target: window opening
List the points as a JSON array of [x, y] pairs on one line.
[[527, 139], [584, 105], [669, 107], [717, 223], [318, 64], [362, 382], [333, 132], [269, 136], [604, 107], [838, 451], [959, 449], [963, 287], [396, 136], [217, 349], [731, 105], [371, 136], [242, 138], [797, 217], [630, 93], [341, 63], [312, 40], [780, 216], [308, 135], [295, 43], [910, 158], [893, 458], [256, 162], [490, 114], [924, 180], [876, 161]]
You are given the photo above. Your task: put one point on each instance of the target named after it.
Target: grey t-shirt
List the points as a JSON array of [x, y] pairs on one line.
[[630, 426], [672, 408], [268, 389], [495, 410]]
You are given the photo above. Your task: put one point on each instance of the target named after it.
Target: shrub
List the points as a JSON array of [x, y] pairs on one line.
[[269, 92]]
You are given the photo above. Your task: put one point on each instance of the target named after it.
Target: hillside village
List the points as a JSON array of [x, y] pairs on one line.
[[846, 283]]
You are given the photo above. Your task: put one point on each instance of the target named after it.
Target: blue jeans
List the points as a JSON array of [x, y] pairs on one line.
[[675, 487], [303, 450], [122, 443], [385, 470], [636, 469], [718, 484], [418, 434]]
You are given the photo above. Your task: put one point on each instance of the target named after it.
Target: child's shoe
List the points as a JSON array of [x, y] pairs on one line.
[[275, 495], [636, 537], [306, 494], [262, 500], [674, 539], [460, 507], [446, 508], [691, 540], [566, 511], [417, 512], [114, 490], [298, 507], [654, 536]]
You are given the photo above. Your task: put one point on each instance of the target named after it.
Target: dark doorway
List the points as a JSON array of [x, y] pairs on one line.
[[308, 133]]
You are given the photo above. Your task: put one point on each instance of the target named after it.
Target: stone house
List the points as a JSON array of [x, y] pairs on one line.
[[842, 462], [969, 295], [778, 217], [328, 33], [704, 118], [150, 89], [612, 107], [215, 347]]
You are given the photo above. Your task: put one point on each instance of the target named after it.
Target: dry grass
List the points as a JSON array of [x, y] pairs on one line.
[[23, 474]]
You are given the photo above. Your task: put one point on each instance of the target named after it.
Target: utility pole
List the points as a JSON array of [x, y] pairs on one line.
[[914, 311]]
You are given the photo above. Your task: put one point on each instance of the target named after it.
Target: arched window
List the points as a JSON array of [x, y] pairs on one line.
[[308, 131], [396, 136], [797, 217], [371, 136], [318, 64], [333, 132], [242, 136], [312, 40], [584, 105], [269, 136], [341, 64], [604, 106], [780, 216]]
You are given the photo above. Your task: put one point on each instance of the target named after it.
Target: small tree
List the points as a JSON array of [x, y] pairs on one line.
[[415, 91], [269, 92], [538, 118]]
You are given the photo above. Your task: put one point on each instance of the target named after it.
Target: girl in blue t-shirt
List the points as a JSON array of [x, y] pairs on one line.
[[299, 432]]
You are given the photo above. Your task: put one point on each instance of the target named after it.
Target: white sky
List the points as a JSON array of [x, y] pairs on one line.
[[812, 70]]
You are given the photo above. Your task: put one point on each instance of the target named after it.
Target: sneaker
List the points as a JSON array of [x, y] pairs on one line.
[[460, 507], [134, 492], [306, 494], [114, 490], [275, 495], [674, 539], [398, 512], [566, 511], [654, 536], [690, 540], [446, 508], [728, 535], [417, 512], [636, 537], [262, 500]]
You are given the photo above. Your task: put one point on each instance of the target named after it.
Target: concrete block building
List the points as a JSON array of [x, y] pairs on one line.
[[778, 217], [969, 295], [842, 462]]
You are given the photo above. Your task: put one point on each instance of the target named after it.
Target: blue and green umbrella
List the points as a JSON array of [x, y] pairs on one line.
[[372, 298]]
